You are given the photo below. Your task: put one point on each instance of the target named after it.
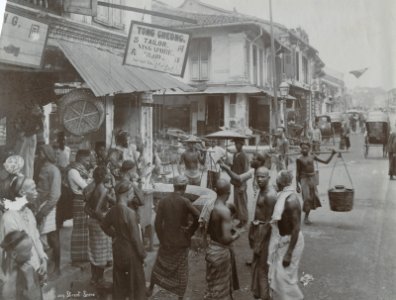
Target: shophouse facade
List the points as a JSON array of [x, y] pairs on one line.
[[230, 65]]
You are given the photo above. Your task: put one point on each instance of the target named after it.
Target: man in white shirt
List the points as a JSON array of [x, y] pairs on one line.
[[213, 155]]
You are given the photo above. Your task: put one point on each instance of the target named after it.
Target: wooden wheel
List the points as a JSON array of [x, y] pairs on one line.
[[81, 113]]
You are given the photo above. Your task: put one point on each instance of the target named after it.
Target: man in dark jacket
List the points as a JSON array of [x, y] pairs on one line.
[[174, 232], [240, 165]]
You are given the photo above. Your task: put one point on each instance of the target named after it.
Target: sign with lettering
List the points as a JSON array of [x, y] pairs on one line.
[[157, 48], [22, 41]]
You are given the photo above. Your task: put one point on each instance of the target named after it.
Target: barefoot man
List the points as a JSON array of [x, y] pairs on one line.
[[305, 178], [191, 158], [286, 242], [221, 273]]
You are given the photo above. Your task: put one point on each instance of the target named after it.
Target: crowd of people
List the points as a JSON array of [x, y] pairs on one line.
[[101, 191]]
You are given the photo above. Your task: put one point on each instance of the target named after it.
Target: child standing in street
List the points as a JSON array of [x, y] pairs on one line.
[[20, 281]]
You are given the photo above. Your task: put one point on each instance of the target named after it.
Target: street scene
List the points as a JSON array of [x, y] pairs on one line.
[[197, 149]]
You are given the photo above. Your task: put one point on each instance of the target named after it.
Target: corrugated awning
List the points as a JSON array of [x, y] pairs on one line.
[[105, 74], [211, 90]]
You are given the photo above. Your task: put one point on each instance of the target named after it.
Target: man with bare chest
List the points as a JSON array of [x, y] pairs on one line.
[[221, 273], [191, 158], [286, 242], [305, 178], [260, 232]]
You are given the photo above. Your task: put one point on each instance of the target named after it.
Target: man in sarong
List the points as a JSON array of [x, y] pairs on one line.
[[49, 191], [128, 251], [221, 273], [191, 158], [78, 177], [286, 242], [305, 178], [281, 146], [240, 165], [260, 232], [174, 232], [392, 155]]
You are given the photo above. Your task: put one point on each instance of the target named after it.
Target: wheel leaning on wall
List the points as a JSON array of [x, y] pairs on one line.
[[81, 112]]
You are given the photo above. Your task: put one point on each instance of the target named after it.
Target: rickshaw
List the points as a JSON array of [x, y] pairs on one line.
[[377, 132], [336, 119], [324, 124], [355, 118]]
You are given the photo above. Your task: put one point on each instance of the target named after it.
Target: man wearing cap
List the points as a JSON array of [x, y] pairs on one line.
[[240, 165], [174, 232], [191, 158], [49, 190], [128, 251], [305, 178]]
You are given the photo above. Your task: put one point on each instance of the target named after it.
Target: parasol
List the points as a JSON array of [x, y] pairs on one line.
[[226, 135]]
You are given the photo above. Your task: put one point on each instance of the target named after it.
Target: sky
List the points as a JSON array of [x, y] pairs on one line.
[[349, 34]]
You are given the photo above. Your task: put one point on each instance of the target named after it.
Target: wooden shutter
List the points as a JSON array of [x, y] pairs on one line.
[[194, 59], [288, 65], [204, 49], [82, 7]]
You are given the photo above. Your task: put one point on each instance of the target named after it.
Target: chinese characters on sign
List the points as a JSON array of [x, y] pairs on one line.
[[22, 41], [157, 48]]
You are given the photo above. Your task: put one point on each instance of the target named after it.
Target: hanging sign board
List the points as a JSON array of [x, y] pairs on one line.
[[22, 41], [157, 48]]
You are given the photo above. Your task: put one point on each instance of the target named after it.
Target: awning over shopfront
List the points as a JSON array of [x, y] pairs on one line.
[[105, 74], [288, 97]]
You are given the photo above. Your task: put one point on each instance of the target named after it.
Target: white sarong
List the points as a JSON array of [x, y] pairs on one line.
[[283, 281]]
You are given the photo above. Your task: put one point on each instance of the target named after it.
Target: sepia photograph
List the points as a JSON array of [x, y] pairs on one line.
[[198, 149]]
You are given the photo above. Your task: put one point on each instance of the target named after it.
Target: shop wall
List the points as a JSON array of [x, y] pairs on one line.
[[236, 111]]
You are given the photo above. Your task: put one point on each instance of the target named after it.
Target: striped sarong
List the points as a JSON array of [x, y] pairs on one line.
[[170, 270], [99, 247], [221, 275], [79, 237]]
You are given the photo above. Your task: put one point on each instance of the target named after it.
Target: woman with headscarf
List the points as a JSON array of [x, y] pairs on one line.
[[49, 191], [19, 216]]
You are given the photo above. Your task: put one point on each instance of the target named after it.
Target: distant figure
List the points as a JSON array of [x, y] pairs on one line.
[[221, 273], [305, 178], [281, 146], [345, 132], [240, 165], [392, 155], [213, 155], [174, 232], [191, 158], [286, 242], [128, 251], [22, 280], [316, 138], [62, 152]]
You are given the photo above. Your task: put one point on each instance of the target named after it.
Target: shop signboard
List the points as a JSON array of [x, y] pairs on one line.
[[157, 48], [22, 41]]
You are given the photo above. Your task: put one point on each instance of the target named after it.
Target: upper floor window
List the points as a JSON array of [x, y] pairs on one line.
[[297, 61], [233, 104], [200, 58], [247, 59], [109, 16]]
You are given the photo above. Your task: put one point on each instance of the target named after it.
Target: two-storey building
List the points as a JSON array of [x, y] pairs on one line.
[[229, 62]]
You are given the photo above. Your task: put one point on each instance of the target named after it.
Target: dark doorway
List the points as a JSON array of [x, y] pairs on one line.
[[259, 114], [214, 113]]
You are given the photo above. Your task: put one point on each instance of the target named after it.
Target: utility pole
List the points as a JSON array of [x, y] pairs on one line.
[[274, 79]]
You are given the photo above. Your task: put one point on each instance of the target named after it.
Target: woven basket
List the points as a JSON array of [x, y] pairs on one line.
[[341, 198], [81, 112]]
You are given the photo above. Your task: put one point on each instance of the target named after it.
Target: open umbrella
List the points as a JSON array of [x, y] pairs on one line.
[[226, 134]]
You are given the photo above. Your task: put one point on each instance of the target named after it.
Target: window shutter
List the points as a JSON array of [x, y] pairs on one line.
[[204, 48], [82, 7], [194, 59], [288, 65]]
